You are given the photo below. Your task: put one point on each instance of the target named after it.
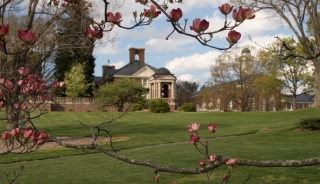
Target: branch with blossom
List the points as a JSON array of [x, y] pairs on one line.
[[146, 16], [19, 97]]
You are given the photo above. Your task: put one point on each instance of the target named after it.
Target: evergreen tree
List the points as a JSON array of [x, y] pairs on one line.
[[72, 32]]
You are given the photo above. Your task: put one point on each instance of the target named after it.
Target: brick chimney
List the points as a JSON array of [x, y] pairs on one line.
[[139, 52], [104, 69]]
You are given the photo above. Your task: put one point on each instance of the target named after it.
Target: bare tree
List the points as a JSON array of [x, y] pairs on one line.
[[185, 90], [235, 74]]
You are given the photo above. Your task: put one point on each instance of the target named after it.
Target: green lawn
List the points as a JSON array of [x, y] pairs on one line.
[[167, 135]]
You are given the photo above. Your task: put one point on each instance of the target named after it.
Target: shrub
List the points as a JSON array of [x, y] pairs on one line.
[[189, 107], [136, 107], [158, 106], [309, 123]]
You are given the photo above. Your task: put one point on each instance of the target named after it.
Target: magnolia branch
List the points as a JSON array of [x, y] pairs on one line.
[[220, 160]]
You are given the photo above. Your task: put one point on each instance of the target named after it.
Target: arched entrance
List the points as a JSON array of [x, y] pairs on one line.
[[165, 91]]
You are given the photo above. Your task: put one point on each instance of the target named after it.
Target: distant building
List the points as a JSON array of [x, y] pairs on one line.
[[159, 83], [219, 97]]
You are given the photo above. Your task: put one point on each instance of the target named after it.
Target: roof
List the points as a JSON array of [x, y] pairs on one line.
[[162, 71], [97, 79], [245, 50], [303, 98], [132, 68]]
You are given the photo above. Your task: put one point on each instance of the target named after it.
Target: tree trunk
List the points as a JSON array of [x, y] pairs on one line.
[[12, 117], [316, 64], [294, 102]]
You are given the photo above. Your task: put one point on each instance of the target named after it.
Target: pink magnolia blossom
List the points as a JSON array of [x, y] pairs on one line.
[[212, 158], [194, 138], [202, 163], [116, 19], [212, 128], [5, 135], [1, 102], [193, 127], [233, 36], [156, 178], [152, 13], [242, 14], [4, 30], [225, 177], [231, 161], [23, 107], [23, 71], [57, 84], [34, 136], [199, 26], [16, 106], [94, 33], [225, 8], [15, 132], [27, 36], [174, 182], [8, 84], [27, 132], [45, 97], [25, 118], [40, 142], [175, 15], [42, 135]]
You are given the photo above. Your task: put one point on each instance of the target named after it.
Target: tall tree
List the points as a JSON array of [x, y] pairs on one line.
[[71, 31], [294, 73], [185, 89], [296, 14]]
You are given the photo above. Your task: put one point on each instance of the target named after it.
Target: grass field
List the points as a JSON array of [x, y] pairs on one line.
[[163, 138]]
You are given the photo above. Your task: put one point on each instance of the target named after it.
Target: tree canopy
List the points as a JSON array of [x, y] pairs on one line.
[[122, 91]]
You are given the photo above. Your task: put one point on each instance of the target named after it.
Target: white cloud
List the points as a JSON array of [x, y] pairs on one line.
[[161, 45], [119, 64], [193, 62], [106, 48], [185, 77]]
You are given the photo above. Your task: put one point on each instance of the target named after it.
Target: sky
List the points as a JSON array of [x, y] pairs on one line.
[[184, 56]]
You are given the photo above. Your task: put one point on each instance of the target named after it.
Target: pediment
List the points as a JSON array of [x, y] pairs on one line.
[[144, 72]]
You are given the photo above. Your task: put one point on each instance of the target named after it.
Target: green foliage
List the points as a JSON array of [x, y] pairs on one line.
[[75, 81], [189, 107], [136, 107], [158, 106], [309, 123], [119, 93]]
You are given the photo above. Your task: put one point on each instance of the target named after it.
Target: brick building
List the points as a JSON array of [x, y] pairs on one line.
[[159, 83]]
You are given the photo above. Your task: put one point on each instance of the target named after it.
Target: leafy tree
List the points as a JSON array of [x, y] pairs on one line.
[[75, 81], [295, 14], [185, 90], [294, 73], [121, 92]]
